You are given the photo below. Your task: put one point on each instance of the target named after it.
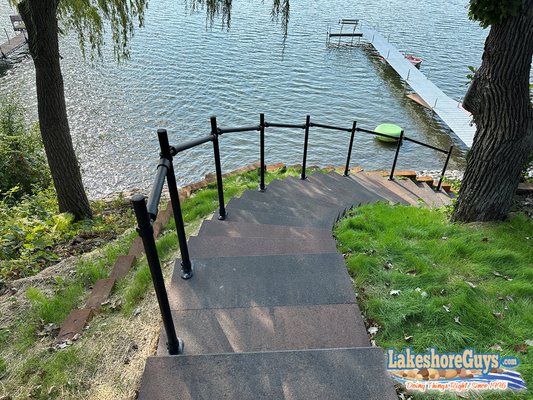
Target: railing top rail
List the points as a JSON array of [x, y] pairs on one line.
[[425, 145], [337, 128], [276, 125], [404, 138], [189, 145], [239, 129]]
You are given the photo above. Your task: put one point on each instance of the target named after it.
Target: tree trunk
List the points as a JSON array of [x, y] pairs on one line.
[[40, 17], [499, 102]]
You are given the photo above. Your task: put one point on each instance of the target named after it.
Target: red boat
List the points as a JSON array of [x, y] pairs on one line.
[[414, 60]]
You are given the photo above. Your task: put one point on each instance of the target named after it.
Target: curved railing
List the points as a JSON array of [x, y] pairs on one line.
[[146, 213]]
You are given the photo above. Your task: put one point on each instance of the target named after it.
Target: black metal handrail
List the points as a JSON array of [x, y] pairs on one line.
[[147, 213]]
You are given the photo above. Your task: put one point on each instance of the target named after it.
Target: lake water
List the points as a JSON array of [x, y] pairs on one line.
[[182, 71]]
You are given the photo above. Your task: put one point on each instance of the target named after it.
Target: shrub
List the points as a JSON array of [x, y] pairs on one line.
[[22, 159]]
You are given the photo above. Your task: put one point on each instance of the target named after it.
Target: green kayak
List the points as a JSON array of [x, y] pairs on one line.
[[388, 129]]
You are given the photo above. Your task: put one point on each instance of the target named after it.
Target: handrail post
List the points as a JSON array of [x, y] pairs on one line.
[[186, 265], [262, 156], [444, 169], [306, 140], [400, 141], [216, 151], [347, 169], [146, 232]]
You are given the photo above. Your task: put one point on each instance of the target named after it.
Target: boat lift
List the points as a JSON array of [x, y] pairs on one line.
[[353, 34]]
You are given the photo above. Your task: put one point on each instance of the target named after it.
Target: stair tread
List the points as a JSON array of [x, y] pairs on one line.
[[265, 206], [244, 229], [391, 190], [416, 191], [268, 218], [433, 198], [217, 246], [289, 199], [357, 196], [268, 328], [304, 374], [262, 281], [305, 189]]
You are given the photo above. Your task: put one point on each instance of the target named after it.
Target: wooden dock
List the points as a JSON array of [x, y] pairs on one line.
[[427, 93], [15, 42], [450, 111], [12, 44]]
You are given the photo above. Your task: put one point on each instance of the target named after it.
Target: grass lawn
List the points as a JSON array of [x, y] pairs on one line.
[[460, 285]]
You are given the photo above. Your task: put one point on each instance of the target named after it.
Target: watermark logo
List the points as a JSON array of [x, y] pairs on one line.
[[454, 372]]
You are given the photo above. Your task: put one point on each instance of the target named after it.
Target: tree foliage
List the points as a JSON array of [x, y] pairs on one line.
[[280, 11], [23, 168], [88, 19], [491, 12]]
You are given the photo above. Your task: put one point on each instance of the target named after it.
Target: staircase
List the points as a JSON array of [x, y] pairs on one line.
[[271, 312]]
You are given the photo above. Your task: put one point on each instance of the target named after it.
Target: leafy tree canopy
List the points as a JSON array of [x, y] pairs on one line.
[[492, 12], [89, 19]]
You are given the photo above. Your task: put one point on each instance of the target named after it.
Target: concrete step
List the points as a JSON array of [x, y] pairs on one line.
[[414, 190], [269, 218], [353, 185], [387, 189], [357, 195], [265, 281], [218, 246], [321, 213], [228, 330], [293, 200], [243, 229], [304, 189], [434, 199], [353, 373]]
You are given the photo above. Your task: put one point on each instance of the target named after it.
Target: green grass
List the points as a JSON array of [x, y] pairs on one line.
[[439, 265]]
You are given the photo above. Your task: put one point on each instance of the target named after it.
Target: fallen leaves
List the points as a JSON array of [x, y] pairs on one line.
[[457, 321], [471, 284], [373, 330], [498, 315], [520, 348], [447, 308], [395, 292], [506, 277], [388, 265]]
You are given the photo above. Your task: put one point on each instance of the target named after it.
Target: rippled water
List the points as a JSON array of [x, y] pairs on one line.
[[182, 71]]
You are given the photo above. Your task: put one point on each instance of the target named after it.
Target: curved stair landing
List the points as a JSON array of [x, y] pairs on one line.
[[271, 312]]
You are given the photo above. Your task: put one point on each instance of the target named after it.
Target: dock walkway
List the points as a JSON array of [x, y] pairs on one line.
[[449, 110]]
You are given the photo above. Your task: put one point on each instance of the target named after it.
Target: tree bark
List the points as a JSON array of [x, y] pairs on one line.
[[40, 17], [499, 102]]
